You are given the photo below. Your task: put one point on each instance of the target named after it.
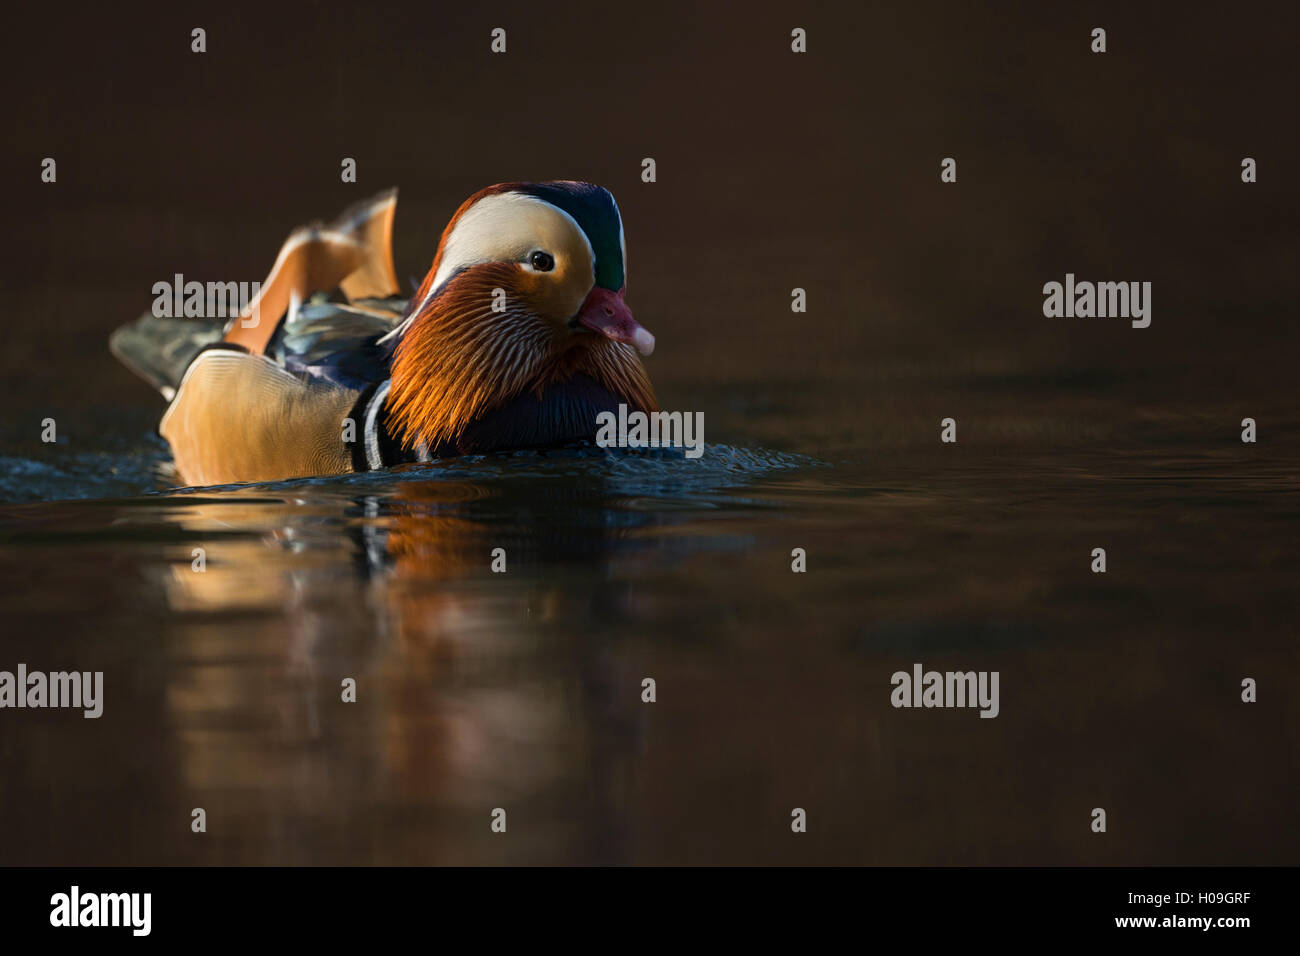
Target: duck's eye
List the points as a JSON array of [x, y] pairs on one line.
[[542, 261]]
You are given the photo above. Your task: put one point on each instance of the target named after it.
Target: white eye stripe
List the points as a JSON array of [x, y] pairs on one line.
[[498, 228], [505, 227]]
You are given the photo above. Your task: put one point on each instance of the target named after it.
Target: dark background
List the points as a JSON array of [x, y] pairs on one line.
[[775, 170]]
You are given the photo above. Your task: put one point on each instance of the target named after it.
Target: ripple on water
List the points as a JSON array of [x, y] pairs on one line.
[[620, 473]]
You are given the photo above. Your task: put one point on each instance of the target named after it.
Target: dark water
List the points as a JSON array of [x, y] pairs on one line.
[[522, 690]]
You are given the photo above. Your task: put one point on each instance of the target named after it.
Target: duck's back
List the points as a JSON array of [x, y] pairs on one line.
[[267, 393], [331, 341]]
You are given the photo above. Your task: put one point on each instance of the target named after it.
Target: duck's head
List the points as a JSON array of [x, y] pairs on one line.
[[526, 291]]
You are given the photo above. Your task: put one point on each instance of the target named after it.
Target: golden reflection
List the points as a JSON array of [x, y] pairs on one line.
[[395, 592]]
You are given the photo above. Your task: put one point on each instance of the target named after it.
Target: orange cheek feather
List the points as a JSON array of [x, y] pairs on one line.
[[460, 359]]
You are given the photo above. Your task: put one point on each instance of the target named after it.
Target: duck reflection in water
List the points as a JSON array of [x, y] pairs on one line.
[[469, 682]]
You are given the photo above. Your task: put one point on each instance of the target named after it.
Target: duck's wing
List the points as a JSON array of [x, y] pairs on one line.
[[353, 253], [338, 342], [160, 349], [238, 417]]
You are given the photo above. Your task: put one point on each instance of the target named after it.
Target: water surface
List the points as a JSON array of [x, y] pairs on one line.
[[522, 690]]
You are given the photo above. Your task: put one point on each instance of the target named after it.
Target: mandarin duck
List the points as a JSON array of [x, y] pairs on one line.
[[518, 337]]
